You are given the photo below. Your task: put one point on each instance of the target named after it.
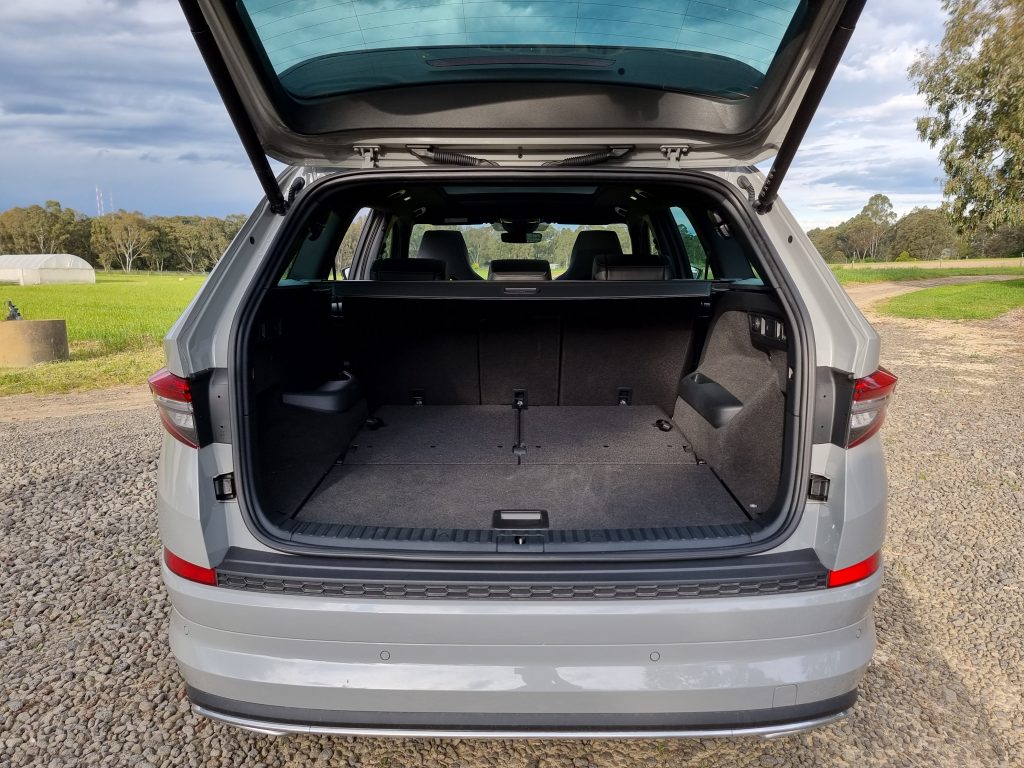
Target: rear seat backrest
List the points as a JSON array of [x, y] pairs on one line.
[[641, 345], [449, 246], [399, 347], [628, 268], [569, 353], [401, 270], [588, 246], [519, 349], [519, 269]]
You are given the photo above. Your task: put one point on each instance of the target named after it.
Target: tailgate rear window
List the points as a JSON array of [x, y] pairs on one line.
[[326, 47]]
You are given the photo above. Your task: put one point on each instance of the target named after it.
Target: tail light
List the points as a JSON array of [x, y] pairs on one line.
[[856, 572], [174, 402], [190, 571], [871, 396]]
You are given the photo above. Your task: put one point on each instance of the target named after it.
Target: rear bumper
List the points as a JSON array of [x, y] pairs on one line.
[[279, 721], [761, 665]]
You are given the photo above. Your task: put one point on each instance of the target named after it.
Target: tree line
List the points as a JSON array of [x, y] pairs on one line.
[[485, 245], [126, 240], [878, 234]]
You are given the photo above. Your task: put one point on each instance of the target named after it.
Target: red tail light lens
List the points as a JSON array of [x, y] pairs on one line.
[[871, 396], [190, 571], [174, 402], [857, 572]]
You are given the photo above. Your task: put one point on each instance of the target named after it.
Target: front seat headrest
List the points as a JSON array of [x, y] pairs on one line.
[[402, 270], [590, 244], [449, 246], [626, 268], [519, 269]]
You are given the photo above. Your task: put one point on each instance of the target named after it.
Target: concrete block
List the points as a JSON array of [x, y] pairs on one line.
[[27, 342]]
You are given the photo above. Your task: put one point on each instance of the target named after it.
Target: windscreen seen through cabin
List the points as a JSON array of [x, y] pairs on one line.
[[484, 243]]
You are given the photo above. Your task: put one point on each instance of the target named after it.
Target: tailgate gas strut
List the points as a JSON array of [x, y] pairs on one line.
[[809, 105], [592, 158], [233, 102], [447, 157]]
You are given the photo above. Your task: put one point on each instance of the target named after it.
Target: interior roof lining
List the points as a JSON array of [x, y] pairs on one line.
[[432, 204]]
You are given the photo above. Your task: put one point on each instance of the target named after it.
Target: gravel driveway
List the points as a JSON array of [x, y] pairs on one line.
[[86, 677]]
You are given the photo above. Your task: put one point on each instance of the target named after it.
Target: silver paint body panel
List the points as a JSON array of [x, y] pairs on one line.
[[714, 654]]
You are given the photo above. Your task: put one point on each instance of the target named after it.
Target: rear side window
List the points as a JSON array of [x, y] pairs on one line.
[[347, 249], [327, 247], [713, 250], [695, 252], [652, 242]]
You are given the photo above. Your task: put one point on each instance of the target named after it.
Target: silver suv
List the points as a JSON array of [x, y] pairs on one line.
[[520, 406]]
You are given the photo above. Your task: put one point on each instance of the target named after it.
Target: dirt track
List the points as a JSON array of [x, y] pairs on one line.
[[866, 295], [32, 407], [944, 264]]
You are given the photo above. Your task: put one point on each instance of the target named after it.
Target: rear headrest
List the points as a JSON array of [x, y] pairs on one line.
[[448, 246], [590, 244], [399, 270], [519, 269], [626, 268]]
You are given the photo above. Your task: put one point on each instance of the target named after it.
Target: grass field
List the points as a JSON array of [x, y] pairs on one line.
[[853, 275], [114, 329], [971, 301]]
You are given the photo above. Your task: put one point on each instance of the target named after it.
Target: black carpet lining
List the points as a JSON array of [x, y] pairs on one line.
[[587, 466], [485, 434]]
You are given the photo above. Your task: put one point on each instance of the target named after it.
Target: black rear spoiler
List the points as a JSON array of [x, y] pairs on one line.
[[809, 105]]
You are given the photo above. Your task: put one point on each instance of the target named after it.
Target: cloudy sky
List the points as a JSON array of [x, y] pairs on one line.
[[112, 93]]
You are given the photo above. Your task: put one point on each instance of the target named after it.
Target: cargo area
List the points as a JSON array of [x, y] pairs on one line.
[[477, 415], [583, 466], [585, 365]]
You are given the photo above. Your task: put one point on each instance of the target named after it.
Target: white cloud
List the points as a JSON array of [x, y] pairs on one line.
[[113, 94], [881, 63], [901, 106], [840, 167], [864, 138]]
